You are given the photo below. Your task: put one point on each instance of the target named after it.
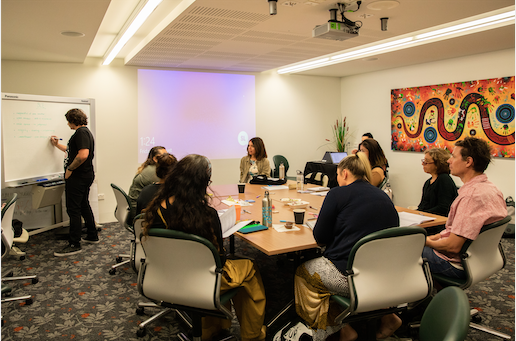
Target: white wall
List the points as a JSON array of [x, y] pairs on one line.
[[293, 115], [366, 102]]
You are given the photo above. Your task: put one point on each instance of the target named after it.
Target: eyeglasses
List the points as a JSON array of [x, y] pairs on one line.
[[423, 161]]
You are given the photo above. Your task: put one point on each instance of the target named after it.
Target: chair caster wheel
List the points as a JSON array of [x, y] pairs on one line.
[[28, 301], [112, 271], [141, 332], [118, 259], [140, 311], [22, 257], [35, 280], [476, 318]]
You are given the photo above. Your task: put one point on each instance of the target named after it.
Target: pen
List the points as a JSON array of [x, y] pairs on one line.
[[246, 211], [286, 221], [258, 196], [312, 218], [314, 208]]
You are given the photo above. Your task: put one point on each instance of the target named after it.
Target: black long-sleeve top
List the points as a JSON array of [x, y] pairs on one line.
[[350, 213], [438, 196]]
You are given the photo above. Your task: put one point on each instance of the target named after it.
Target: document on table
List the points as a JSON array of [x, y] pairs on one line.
[[231, 202], [228, 222], [411, 219], [274, 187]]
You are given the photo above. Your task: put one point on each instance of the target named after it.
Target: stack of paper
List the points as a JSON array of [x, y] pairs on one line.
[[411, 219], [228, 222]]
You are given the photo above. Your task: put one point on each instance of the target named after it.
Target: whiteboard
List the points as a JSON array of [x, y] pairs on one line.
[[28, 121]]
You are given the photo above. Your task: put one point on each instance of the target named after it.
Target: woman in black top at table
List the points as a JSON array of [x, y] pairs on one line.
[[349, 212], [371, 148], [183, 205], [440, 190]]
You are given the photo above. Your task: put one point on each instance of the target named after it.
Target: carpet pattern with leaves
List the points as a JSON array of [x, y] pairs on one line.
[[77, 299]]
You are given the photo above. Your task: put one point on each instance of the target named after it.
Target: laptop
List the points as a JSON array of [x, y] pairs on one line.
[[334, 157]]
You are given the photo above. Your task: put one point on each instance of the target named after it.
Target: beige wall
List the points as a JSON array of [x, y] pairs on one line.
[[366, 99], [293, 115]]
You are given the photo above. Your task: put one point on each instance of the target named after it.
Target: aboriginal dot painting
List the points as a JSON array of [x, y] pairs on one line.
[[439, 115]]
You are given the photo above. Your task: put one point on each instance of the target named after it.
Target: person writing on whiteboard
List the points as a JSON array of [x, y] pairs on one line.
[[256, 162], [79, 176]]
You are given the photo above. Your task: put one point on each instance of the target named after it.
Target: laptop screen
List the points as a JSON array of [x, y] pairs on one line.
[[336, 157]]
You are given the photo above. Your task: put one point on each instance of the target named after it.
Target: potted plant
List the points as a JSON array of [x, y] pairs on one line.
[[340, 135]]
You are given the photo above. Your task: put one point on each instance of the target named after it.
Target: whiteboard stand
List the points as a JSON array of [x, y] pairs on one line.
[[48, 195]]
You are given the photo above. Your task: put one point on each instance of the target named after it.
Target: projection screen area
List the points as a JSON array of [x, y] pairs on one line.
[[211, 114]]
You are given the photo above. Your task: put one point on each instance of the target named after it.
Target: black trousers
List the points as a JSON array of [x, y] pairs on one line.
[[77, 190]]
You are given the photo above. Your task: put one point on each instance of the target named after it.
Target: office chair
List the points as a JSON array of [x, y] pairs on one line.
[[278, 159], [480, 259], [183, 272], [446, 317], [7, 242], [24, 237], [386, 274], [123, 206], [317, 178]]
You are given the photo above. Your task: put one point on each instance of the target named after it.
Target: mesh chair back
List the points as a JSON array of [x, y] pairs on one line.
[[122, 205], [138, 253], [484, 254], [388, 269], [7, 223], [180, 268], [446, 317]]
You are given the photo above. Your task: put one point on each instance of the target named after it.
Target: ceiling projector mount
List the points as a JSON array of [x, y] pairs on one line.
[[339, 30]]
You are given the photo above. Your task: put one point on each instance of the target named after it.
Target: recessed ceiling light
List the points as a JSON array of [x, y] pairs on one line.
[[383, 5], [72, 34]]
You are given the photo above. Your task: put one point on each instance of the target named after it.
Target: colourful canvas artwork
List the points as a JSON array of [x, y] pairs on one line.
[[439, 115]]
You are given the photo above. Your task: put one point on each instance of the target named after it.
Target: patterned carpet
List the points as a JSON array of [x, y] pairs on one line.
[[76, 298]]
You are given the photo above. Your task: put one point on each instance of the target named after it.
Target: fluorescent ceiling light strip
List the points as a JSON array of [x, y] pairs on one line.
[[457, 32], [375, 48], [304, 65], [402, 43], [375, 52], [472, 24], [149, 7]]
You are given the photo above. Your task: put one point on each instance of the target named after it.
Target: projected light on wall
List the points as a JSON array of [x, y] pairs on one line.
[[211, 114]]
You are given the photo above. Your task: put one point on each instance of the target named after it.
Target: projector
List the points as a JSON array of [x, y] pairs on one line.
[[335, 31]]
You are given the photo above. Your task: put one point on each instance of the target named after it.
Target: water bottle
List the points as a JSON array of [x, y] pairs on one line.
[[282, 171], [266, 210], [300, 181]]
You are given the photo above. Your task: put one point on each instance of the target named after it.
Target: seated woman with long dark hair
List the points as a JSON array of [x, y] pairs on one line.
[[255, 162], [183, 205], [349, 212], [371, 148]]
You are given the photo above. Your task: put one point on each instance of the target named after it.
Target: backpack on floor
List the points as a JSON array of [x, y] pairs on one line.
[[294, 331]]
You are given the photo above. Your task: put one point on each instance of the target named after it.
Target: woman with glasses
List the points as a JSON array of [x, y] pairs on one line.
[[440, 190]]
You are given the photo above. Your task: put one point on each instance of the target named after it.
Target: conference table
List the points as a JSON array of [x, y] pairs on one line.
[[272, 242]]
